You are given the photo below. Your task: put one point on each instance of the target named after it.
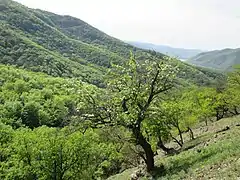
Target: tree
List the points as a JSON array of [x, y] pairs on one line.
[[30, 115], [174, 114], [51, 153], [131, 94], [206, 101], [232, 92]]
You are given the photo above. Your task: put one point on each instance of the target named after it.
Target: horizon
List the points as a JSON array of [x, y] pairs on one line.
[[164, 27]]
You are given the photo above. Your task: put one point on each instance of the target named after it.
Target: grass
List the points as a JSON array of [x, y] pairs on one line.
[[211, 155]]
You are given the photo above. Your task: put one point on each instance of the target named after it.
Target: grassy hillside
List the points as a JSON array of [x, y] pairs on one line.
[[224, 59], [212, 155]]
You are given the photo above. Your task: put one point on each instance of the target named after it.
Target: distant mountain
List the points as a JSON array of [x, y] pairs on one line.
[[224, 59], [176, 52]]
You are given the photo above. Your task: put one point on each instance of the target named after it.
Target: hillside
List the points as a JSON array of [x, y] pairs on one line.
[[212, 155], [62, 128], [66, 46], [80, 30], [224, 59], [171, 51], [37, 99], [20, 51]]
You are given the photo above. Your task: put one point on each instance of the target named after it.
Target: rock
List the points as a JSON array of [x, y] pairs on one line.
[[133, 176], [137, 174]]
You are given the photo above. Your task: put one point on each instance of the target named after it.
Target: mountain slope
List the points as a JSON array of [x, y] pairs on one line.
[[54, 98], [66, 46], [49, 37], [211, 155], [21, 51], [224, 59], [80, 30], [176, 52]]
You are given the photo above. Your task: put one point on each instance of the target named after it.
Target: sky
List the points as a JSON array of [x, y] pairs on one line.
[[195, 24]]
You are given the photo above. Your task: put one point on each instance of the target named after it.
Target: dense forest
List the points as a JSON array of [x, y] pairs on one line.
[[55, 128], [76, 103]]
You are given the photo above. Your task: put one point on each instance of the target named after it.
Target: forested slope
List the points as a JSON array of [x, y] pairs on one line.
[[49, 37], [80, 30], [62, 128], [35, 99], [67, 46], [20, 51]]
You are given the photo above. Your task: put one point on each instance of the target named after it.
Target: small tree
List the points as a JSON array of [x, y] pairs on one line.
[[173, 113], [233, 91], [206, 101], [131, 94], [179, 113]]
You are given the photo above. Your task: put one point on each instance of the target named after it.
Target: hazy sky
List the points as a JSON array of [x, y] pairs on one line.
[[204, 24]]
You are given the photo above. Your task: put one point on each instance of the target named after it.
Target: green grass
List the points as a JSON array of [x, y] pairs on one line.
[[211, 155]]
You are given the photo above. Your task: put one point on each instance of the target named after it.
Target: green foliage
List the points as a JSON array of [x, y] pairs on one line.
[[50, 38], [20, 51], [206, 100], [232, 94], [132, 91], [35, 99], [137, 102], [50, 153]]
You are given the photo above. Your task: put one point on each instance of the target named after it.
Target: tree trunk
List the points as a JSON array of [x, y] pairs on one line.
[[217, 115], [175, 139], [163, 147], [54, 173], [61, 173], [141, 140], [149, 153], [206, 121], [236, 110], [191, 133], [180, 134], [220, 113]]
